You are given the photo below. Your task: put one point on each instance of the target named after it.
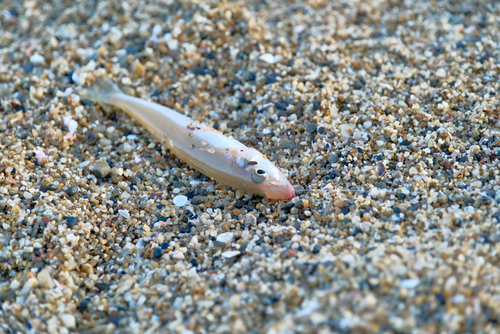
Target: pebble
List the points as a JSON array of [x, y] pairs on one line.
[[267, 57], [45, 279], [87, 269], [71, 221], [124, 213], [410, 283], [180, 200], [158, 252], [380, 169], [311, 128], [37, 59], [68, 320], [230, 254], [225, 238], [101, 169], [72, 191], [281, 105]]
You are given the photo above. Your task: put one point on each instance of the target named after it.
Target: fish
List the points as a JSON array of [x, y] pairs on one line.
[[213, 154]]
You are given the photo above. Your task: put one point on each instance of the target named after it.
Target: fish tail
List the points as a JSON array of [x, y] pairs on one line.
[[102, 91]]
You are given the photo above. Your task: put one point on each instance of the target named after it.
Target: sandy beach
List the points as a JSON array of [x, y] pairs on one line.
[[384, 116]]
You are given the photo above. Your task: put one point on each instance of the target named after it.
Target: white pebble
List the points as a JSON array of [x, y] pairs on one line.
[[15, 284], [225, 237], [68, 91], [127, 147], [39, 155], [72, 126], [115, 35], [137, 159], [84, 164], [180, 200], [267, 57], [230, 254], [45, 279], [68, 320], [91, 65], [410, 283], [126, 81], [441, 73], [37, 59], [172, 43], [29, 285], [124, 213]]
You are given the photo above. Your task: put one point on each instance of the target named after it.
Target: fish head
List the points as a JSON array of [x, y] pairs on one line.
[[261, 177]]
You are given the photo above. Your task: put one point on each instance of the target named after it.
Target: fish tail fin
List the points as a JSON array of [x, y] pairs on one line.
[[102, 91]]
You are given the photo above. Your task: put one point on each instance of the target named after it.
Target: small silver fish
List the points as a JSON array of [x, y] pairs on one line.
[[224, 159]]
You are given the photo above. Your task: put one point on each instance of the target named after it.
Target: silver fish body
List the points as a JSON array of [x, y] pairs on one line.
[[217, 156]]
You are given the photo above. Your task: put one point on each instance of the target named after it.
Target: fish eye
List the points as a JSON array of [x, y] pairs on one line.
[[259, 175]]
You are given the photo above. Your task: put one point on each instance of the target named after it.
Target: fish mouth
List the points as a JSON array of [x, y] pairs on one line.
[[289, 191]]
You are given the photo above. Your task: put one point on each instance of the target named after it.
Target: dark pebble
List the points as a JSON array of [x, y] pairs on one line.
[[164, 245], [281, 105], [316, 249], [84, 304], [311, 127], [299, 190], [219, 244], [401, 196], [90, 137], [464, 159], [282, 113], [233, 124], [321, 129], [20, 108], [251, 76], [29, 68], [344, 211], [178, 184], [380, 169], [405, 143], [88, 103], [72, 191], [271, 79], [103, 286], [239, 205], [186, 228], [279, 238], [491, 193], [52, 187], [71, 221], [14, 12], [288, 207], [333, 158], [203, 71], [158, 252], [23, 134], [250, 208]]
